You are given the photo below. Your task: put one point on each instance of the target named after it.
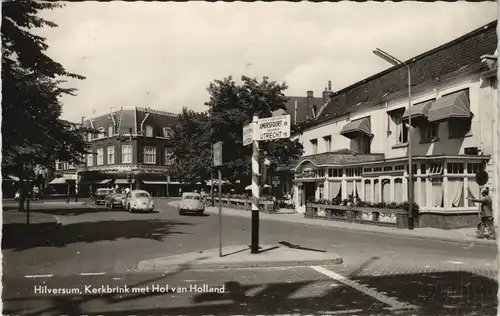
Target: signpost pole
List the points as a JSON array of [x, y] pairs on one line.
[[217, 162], [255, 191], [220, 212]]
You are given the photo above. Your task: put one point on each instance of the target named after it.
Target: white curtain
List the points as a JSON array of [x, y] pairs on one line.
[[437, 194], [423, 193], [350, 188], [456, 191], [334, 187], [376, 185], [386, 191], [368, 191], [359, 191], [398, 190], [416, 195], [473, 191]]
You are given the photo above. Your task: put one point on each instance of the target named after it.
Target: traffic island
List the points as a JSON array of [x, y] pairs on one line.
[[234, 257]]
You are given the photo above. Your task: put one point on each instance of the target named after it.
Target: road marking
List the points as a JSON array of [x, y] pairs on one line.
[[92, 273], [364, 289], [38, 276]]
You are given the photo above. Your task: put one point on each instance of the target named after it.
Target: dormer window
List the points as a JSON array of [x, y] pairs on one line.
[[148, 131], [111, 131], [101, 132], [167, 131]]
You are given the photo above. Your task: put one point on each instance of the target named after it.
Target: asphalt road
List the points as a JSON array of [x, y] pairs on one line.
[[439, 277]]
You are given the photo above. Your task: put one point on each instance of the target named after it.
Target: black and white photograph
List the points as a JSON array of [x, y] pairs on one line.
[[250, 158]]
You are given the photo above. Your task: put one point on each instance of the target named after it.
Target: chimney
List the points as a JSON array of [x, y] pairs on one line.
[[310, 101], [327, 94]]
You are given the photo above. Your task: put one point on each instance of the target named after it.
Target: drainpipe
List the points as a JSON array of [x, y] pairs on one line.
[[295, 113]]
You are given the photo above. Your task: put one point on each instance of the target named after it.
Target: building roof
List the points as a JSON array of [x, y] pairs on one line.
[[132, 118], [304, 111], [463, 53]]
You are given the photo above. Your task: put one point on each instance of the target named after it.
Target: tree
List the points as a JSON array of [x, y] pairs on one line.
[[190, 143], [230, 107], [32, 132]]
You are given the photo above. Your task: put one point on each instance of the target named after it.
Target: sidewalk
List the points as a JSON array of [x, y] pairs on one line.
[[463, 235], [15, 217]]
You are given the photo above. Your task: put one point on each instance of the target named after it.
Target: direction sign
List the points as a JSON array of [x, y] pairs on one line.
[[274, 127], [248, 134], [217, 151]]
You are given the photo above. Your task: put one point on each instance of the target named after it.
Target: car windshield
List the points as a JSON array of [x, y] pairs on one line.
[[191, 197], [141, 194]]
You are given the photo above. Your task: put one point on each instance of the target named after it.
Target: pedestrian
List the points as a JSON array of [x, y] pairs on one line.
[[180, 191], [486, 214]]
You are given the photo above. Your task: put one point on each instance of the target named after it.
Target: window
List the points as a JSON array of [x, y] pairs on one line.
[[168, 158], [126, 153], [149, 155], [363, 144], [71, 166], [455, 167], [353, 172], [58, 165], [436, 168], [321, 191], [314, 145], [423, 168], [111, 155], [111, 131], [429, 131], [399, 167], [335, 173], [367, 170], [100, 156], [474, 167], [328, 143], [388, 168], [458, 127], [101, 132], [413, 169], [89, 137], [90, 160], [167, 131], [400, 127], [377, 169], [149, 131]]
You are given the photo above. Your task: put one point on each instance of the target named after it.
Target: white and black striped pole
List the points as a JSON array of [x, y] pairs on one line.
[[255, 190]]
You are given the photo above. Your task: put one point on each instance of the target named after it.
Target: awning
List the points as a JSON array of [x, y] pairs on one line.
[[418, 112], [123, 181], [58, 181], [356, 128], [105, 181], [455, 105], [157, 182], [265, 186], [216, 182], [14, 178]]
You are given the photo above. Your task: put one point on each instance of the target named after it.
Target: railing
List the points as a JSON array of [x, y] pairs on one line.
[[243, 204], [356, 214]]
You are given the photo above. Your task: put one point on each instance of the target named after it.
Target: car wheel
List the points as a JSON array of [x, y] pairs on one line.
[[200, 212]]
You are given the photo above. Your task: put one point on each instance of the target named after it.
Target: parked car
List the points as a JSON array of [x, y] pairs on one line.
[[100, 196], [140, 201], [114, 200], [191, 203]]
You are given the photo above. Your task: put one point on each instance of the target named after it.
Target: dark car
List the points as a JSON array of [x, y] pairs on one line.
[[100, 196], [114, 200]]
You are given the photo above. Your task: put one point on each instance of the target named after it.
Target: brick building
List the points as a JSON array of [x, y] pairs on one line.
[[130, 141]]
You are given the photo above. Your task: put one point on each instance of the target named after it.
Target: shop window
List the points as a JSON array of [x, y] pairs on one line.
[[474, 167], [353, 172], [334, 173]]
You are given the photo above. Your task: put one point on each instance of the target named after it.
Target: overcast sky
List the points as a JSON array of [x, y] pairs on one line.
[[164, 55]]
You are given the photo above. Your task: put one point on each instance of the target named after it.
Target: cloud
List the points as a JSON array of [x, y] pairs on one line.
[[164, 55]]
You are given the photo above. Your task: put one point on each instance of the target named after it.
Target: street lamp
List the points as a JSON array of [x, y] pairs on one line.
[[394, 61]]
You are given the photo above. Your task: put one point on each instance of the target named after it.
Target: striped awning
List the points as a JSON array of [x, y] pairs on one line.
[[357, 128], [106, 181], [455, 105], [58, 181], [157, 182]]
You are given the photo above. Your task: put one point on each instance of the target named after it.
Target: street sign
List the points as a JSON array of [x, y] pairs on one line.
[[248, 134], [482, 177], [274, 127], [217, 151]]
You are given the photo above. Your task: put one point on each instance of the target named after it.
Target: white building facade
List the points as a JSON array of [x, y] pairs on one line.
[[360, 147]]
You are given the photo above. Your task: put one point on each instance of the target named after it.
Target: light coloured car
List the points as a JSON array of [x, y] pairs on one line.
[[100, 196], [191, 203], [139, 201]]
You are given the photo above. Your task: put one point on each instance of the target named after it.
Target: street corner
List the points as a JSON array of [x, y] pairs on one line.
[[236, 257]]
